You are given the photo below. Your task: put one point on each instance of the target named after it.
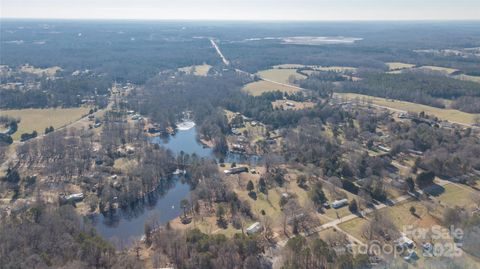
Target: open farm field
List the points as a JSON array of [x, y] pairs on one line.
[[397, 65], [280, 75], [259, 87], [39, 119], [198, 70], [452, 115]]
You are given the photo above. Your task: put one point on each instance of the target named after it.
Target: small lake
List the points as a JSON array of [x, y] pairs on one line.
[[126, 226], [186, 141]]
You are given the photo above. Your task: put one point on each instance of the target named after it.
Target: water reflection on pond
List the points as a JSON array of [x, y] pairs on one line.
[[127, 225], [185, 141]]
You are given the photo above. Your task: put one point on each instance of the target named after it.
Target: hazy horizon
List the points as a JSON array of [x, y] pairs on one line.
[[245, 10]]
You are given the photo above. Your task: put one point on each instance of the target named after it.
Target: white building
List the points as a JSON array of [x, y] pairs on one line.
[[339, 203], [254, 228]]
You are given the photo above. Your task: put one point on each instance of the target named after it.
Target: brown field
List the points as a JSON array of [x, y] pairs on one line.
[[280, 75], [445, 70], [451, 115], [397, 66], [39, 119], [457, 195], [468, 78], [355, 227], [49, 72], [399, 215], [206, 225], [198, 70], [259, 87], [125, 165]]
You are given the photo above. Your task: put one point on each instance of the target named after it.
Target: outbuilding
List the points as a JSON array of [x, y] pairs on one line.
[[254, 228], [339, 203]]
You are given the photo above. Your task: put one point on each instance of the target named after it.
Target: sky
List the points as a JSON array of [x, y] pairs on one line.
[[283, 10]]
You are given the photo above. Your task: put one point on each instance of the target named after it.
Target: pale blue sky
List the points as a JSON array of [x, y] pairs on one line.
[[244, 9]]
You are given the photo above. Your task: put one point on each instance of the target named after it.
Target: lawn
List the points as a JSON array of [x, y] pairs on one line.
[[39, 119], [342, 211], [354, 227], [454, 195], [399, 215], [270, 204], [281, 75], [451, 115], [198, 70], [259, 87]]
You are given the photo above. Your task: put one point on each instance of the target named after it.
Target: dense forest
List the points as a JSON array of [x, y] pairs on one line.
[[47, 237], [126, 51]]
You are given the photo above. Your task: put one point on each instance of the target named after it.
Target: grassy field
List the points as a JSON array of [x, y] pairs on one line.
[[445, 70], [49, 72], [444, 114], [468, 78], [280, 75], [39, 119], [198, 70], [399, 215], [454, 195], [397, 66], [355, 227], [259, 87]]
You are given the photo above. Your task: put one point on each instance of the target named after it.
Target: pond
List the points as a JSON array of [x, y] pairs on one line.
[[125, 226], [186, 141]]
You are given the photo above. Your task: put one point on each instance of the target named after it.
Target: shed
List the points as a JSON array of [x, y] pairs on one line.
[[339, 203], [254, 228], [236, 170]]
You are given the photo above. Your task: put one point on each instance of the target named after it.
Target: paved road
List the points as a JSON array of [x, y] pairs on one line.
[[336, 222], [17, 142], [225, 61]]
